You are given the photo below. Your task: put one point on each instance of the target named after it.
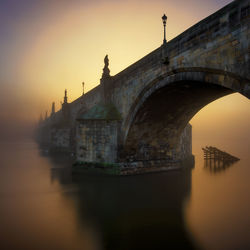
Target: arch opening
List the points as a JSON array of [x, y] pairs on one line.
[[160, 129]]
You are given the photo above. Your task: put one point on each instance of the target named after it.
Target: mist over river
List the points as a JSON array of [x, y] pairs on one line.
[[49, 46], [44, 207]]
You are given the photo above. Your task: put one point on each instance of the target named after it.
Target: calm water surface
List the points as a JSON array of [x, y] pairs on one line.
[[44, 207]]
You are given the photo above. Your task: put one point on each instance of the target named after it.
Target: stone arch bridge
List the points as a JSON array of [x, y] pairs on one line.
[[140, 116]]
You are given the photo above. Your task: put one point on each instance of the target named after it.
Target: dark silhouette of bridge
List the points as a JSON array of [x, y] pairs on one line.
[[138, 119]]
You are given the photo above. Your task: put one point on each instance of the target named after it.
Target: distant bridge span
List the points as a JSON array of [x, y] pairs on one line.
[[141, 114]]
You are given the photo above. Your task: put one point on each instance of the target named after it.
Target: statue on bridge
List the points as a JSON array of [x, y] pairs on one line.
[[106, 71], [65, 96], [82, 88], [106, 61], [53, 109]]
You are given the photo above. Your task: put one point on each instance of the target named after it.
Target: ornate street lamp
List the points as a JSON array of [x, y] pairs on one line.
[[164, 20]]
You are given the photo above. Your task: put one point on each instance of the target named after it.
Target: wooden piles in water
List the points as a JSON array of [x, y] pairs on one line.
[[216, 154], [217, 159]]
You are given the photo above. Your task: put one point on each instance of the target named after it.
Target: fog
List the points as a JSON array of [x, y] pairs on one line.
[[47, 46]]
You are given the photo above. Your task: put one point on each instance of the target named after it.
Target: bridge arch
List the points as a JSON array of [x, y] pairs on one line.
[[166, 105]]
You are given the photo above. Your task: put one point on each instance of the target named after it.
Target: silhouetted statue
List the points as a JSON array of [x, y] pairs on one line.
[[65, 96], [106, 61], [53, 108], [82, 88], [106, 71]]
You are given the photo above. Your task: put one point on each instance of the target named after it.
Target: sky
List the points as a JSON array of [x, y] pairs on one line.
[[49, 45]]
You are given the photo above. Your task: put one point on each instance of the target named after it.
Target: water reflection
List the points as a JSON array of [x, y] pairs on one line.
[[44, 207], [34, 213], [135, 212], [61, 168], [215, 166]]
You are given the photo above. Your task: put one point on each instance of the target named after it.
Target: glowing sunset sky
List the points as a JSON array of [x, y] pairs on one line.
[[49, 45]]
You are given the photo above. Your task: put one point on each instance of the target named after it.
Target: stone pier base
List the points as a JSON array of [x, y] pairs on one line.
[[155, 166], [132, 168]]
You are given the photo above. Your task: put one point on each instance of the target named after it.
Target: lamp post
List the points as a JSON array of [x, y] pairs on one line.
[[164, 20]]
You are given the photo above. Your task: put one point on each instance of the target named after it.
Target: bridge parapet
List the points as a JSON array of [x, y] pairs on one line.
[[220, 42], [158, 95]]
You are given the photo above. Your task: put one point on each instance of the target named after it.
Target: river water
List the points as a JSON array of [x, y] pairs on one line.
[[44, 207]]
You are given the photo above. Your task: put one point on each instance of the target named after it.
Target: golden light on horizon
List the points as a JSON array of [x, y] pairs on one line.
[[225, 119], [71, 48], [65, 44], [192, 182]]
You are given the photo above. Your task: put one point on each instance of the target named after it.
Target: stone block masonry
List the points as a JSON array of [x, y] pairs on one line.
[[139, 118], [60, 139], [96, 141]]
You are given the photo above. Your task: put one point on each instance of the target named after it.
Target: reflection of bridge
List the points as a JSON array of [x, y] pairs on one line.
[[150, 218], [141, 114], [217, 166]]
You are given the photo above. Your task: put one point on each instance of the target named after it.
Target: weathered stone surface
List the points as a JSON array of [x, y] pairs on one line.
[[101, 112], [60, 139], [156, 125], [158, 95], [96, 141]]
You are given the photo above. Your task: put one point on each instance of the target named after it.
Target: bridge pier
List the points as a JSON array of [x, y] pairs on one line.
[[134, 121], [98, 146], [145, 158]]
